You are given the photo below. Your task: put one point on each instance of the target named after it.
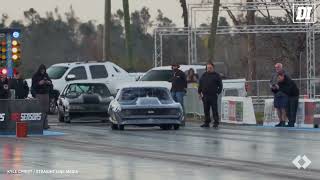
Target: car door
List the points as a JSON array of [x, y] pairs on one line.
[[61, 98]]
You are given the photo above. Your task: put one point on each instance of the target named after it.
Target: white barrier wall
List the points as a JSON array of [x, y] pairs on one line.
[[306, 114], [237, 110]]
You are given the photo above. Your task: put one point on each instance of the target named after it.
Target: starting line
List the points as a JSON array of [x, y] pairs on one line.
[[45, 133]]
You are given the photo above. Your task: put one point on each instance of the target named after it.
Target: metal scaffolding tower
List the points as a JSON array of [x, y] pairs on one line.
[[193, 31]]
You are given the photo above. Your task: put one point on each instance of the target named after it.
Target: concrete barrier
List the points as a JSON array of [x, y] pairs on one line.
[[237, 110], [306, 114], [12, 111]]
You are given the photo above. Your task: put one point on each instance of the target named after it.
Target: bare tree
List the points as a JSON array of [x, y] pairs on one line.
[[184, 12], [252, 63], [214, 24], [129, 43], [107, 31]]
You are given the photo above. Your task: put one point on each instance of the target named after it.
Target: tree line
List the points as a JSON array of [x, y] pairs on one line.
[[62, 37]]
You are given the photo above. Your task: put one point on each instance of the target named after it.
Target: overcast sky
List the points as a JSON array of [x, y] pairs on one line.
[[91, 9]]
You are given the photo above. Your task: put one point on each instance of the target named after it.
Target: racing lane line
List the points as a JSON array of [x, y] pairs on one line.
[[229, 164], [223, 132], [183, 134]]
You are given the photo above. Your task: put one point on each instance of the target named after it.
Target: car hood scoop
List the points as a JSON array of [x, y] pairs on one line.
[[142, 101], [90, 99]]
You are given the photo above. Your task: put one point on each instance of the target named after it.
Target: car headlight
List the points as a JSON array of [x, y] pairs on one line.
[[174, 112]]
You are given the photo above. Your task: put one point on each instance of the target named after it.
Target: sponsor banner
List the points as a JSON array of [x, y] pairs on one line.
[[238, 110], [2, 116], [26, 116]]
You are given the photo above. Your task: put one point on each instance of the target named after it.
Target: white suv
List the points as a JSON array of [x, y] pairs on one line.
[[106, 72]]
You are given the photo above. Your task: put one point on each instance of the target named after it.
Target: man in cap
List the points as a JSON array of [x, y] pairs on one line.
[[179, 84]]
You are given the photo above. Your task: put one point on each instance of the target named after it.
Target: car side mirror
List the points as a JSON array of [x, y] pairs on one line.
[[70, 77]]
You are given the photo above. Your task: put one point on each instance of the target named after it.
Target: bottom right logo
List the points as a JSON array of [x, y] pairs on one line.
[[306, 162]]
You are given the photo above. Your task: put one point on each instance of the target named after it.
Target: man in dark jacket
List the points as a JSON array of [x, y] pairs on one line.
[[179, 84], [288, 87], [210, 86], [20, 86], [4, 87], [41, 85]]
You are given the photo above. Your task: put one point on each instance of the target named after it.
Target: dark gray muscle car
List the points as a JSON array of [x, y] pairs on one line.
[[84, 100], [146, 107]]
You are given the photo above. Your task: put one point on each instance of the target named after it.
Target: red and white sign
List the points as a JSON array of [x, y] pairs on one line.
[[26, 116]]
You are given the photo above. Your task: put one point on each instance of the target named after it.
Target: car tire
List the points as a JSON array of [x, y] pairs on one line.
[[52, 106], [67, 119], [114, 126], [165, 127], [121, 127], [176, 127], [60, 116]]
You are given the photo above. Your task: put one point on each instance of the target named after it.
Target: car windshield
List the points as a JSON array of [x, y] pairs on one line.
[[130, 94], [99, 89], [56, 72], [157, 75]]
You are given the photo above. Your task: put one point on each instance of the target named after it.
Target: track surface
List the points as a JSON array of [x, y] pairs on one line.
[[96, 152]]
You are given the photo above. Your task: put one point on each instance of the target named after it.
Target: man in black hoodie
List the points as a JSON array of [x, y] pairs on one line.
[[210, 86], [20, 86], [288, 87], [41, 86]]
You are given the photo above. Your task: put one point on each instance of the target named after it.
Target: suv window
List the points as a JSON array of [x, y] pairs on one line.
[[56, 72], [117, 70], [98, 71], [157, 75], [79, 72]]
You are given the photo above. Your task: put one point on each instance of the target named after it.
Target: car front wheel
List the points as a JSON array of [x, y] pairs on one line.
[[60, 116], [67, 119], [165, 127], [114, 126], [121, 127]]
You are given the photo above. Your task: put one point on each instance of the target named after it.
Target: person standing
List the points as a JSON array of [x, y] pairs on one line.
[[210, 86], [20, 86], [41, 85], [192, 78], [179, 84], [280, 100], [278, 67], [288, 87], [4, 87]]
